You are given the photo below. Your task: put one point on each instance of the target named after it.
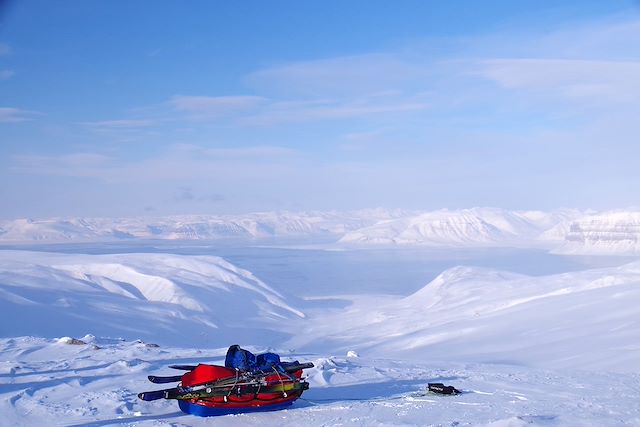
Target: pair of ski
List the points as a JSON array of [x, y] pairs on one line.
[[206, 391]]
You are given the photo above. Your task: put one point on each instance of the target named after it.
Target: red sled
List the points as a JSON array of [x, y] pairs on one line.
[[247, 383]]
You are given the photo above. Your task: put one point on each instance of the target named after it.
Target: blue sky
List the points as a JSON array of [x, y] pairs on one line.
[[166, 107]]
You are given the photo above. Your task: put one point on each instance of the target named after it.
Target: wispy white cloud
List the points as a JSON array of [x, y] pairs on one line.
[[14, 115], [199, 103], [610, 38], [75, 164], [247, 152], [362, 140], [364, 136], [288, 112], [123, 124], [5, 49], [181, 161], [257, 110], [355, 75], [250, 152], [212, 107], [6, 74], [605, 81]]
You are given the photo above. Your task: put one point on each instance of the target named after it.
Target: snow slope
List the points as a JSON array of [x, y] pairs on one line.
[[558, 350], [154, 297], [586, 320], [466, 311], [48, 382]]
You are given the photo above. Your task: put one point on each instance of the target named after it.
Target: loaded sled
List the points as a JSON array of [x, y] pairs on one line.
[[246, 383]]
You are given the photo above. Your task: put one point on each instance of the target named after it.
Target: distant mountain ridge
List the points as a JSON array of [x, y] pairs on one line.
[[252, 226], [563, 231], [612, 232], [463, 227]]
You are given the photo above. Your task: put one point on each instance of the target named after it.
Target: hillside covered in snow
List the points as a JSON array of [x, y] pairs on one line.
[[153, 297], [465, 311], [254, 226], [586, 320]]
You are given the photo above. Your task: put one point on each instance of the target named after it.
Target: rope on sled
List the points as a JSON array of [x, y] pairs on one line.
[[284, 393]]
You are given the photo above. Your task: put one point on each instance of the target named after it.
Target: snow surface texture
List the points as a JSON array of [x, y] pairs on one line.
[[49, 382], [553, 350], [564, 231]]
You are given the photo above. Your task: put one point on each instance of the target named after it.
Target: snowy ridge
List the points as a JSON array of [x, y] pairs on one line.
[[466, 227], [478, 314], [607, 233], [487, 315], [476, 227], [149, 296]]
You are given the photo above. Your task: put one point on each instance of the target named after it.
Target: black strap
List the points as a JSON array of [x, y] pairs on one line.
[[442, 389]]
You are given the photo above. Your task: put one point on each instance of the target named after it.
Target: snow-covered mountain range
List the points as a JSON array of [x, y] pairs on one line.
[[563, 231], [465, 227]]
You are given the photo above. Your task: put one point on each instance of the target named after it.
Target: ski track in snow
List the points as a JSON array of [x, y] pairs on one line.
[[48, 382]]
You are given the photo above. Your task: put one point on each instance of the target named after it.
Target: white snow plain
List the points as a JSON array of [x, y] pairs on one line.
[[557, 350]]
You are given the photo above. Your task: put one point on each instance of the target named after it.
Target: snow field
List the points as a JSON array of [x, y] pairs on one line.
[[83, 385], [557, 350]]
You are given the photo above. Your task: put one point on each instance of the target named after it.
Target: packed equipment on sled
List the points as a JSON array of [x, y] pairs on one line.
[[246, 383]]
